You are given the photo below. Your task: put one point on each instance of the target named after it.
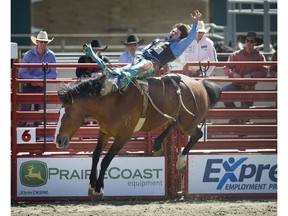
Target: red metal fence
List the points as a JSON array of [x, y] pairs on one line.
[[258, 137]]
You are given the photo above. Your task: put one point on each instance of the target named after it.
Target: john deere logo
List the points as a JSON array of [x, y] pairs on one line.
[[33, 173]]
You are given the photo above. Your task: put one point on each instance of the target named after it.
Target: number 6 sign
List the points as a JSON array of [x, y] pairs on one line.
[[26, 135]]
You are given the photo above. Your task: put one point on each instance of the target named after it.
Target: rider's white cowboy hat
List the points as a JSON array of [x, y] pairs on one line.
[[42, 36], [201, 27]]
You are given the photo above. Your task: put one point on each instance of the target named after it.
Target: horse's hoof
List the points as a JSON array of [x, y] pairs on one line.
[[158, 153], [181, 163], [90, 190], [96, 196]]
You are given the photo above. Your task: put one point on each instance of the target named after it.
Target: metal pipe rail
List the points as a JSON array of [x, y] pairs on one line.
[[242, 113], [192, 63], [217, 113], [214, 79], [269, 131], [257, 96]]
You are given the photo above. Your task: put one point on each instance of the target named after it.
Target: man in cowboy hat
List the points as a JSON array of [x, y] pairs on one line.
[[248, 53], [132, 45], [39, 54], [201, 49], [91, 72]]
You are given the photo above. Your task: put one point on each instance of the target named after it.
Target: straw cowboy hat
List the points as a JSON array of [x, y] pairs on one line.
[[132, 38], [42, 36], [201, 27], [95, 44]]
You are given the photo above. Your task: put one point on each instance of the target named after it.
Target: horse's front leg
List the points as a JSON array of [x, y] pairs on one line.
[[182, 157], [115, 148], [102, 141]]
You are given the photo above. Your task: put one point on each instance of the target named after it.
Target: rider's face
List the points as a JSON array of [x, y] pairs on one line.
[[175, 34]]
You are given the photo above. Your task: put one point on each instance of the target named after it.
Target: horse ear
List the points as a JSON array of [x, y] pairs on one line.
[[70, 98]]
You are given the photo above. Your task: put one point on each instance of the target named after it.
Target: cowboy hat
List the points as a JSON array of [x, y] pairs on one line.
[[252, 35], [42, 36], [201, 27], [132, 38], [95, 44]]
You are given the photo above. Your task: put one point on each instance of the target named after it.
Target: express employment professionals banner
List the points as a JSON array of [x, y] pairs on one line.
[[125, 176], [241, 173]]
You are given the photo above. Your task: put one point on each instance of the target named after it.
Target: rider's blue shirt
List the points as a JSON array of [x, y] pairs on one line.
[[178, 47]]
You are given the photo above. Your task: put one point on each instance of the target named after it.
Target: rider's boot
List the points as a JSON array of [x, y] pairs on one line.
[[110, 85]]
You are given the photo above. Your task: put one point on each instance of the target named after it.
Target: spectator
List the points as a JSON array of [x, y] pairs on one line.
[[201, 49], [39, 54], [248, 53], [273, 69], [91, 72], [132, 44]]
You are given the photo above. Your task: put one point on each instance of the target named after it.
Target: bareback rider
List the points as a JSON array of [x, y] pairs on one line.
[[160, 52], [153, 56]]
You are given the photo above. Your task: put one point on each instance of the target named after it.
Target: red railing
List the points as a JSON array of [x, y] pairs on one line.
[[260, 136]]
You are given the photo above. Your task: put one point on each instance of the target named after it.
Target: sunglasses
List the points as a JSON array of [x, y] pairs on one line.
[[43, 42], [249, 41]]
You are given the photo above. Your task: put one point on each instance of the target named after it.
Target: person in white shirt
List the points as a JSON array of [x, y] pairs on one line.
[[201, 49], [132, 44]]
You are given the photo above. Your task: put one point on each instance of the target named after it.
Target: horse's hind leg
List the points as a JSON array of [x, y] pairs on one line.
[[182, 157], [102, 141], [157, 146]]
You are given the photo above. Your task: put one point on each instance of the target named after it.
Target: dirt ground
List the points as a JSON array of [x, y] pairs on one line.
[[254, 207]]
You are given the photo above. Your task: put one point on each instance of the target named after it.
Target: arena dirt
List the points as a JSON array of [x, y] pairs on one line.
[[138, 208]]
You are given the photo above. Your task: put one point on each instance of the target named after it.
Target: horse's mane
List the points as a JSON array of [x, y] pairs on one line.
[[81, 88]]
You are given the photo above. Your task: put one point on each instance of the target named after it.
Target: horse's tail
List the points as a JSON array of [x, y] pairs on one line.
[[213, 90]]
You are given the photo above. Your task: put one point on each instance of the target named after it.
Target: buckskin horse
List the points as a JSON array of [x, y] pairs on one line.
[[182, 102]]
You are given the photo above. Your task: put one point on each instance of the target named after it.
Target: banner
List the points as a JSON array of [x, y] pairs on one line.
[[125, 176], [225, 174]]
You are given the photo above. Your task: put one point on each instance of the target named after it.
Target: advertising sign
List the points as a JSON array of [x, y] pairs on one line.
[[221, 174], [52, 177]]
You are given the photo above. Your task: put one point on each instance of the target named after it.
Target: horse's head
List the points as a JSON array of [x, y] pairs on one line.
[[70, 119], [74, 109]]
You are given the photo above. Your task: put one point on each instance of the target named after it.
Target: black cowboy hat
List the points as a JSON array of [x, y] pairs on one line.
[[253, 35], [95, 44], [132, 38]]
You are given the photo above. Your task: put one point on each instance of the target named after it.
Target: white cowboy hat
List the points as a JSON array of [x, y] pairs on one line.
[[201, 27], [42, 36]]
